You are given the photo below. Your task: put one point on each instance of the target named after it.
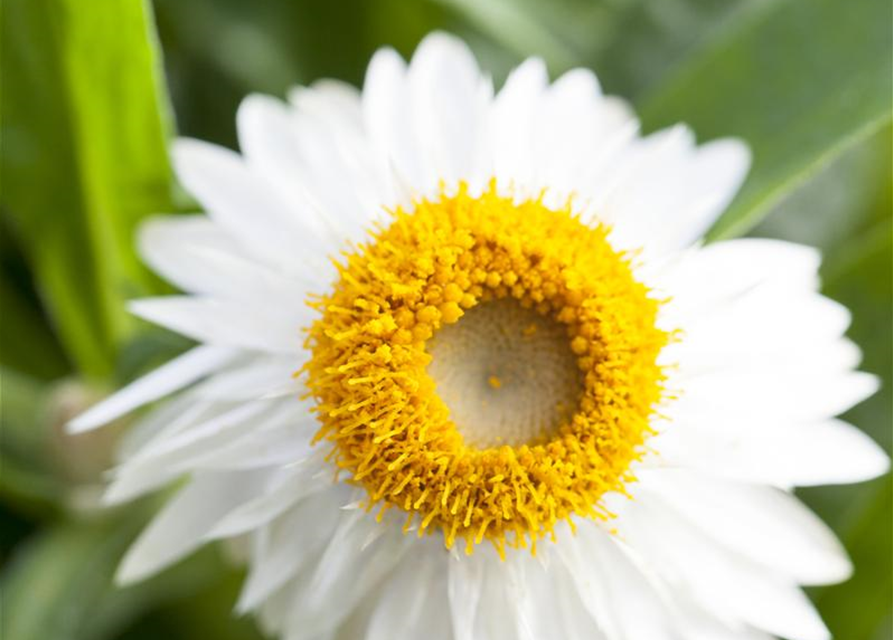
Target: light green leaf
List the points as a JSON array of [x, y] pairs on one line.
[[799, 80], [84, 128]]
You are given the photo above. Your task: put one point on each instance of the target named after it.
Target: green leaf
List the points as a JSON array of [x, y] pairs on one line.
[[60, 585], [85, 123], [652, 38], [861, 608], [27, 342], [799, 80], [534, 28]]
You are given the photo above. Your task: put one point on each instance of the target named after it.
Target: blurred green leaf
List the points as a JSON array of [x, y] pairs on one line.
[[217, 51], [649, 39], [59, 586], [84, 128], [530, 28], [861, 608], [27, 342], [836, 205], [799, 80]]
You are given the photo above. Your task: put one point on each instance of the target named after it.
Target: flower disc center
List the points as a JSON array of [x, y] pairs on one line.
[[507, 374]]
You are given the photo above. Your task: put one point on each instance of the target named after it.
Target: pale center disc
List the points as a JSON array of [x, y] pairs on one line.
[[506, 374]]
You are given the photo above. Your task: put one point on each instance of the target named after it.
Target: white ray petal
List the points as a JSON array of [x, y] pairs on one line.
[[171, 246], [726, 584], [334, 588], [288, 545], [465, 586], [168, 378], [511, 126], [782, 454], [765, 524], [411, 601], [263, 377], [622, 600], [295, 484], [242, 202], [180, 527], [226, 323], [449, 104]]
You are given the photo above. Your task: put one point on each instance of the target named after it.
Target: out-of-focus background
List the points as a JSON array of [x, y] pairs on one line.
[[92, 92]]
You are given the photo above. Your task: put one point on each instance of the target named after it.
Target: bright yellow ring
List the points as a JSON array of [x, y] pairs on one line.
[[379, 407]]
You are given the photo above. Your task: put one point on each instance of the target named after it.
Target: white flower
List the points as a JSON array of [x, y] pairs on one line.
[[606, 441]]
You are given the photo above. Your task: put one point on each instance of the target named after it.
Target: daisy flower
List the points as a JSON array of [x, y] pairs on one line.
[[466, 370]]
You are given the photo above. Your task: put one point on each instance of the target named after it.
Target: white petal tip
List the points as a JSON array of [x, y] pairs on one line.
[[131, 570], [87, 421]]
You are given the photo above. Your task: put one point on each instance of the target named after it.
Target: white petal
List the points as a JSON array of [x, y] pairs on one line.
[[734, 266], [269, 447], [386, 112], [665, 191], [179, 528], [293, 486], [334, 588], [262, 378], [465, 585], [310, 165], [576, 134], [165, 458], [168, 378], [766, 329], [449, 104], [785, 455], [511, 125], [171, 245], [724, 582], [765, 524], [777, 394], [411, 601], [225, 323], [618, 595], [333, 101], [211, 266], [170, 417], [288, 545], [244, 204]]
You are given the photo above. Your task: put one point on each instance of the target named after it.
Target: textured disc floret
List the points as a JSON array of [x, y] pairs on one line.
[[379, 406]]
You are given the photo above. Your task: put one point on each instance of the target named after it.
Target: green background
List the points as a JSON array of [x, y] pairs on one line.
[[92, 92]]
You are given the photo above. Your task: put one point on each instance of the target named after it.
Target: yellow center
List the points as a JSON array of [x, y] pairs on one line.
[[378, 402]]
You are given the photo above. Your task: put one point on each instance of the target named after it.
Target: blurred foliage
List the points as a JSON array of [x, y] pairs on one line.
[[85, 120], [797, 93], [84, 134]]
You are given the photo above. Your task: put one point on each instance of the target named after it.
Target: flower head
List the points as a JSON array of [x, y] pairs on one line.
[[467, 370]]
